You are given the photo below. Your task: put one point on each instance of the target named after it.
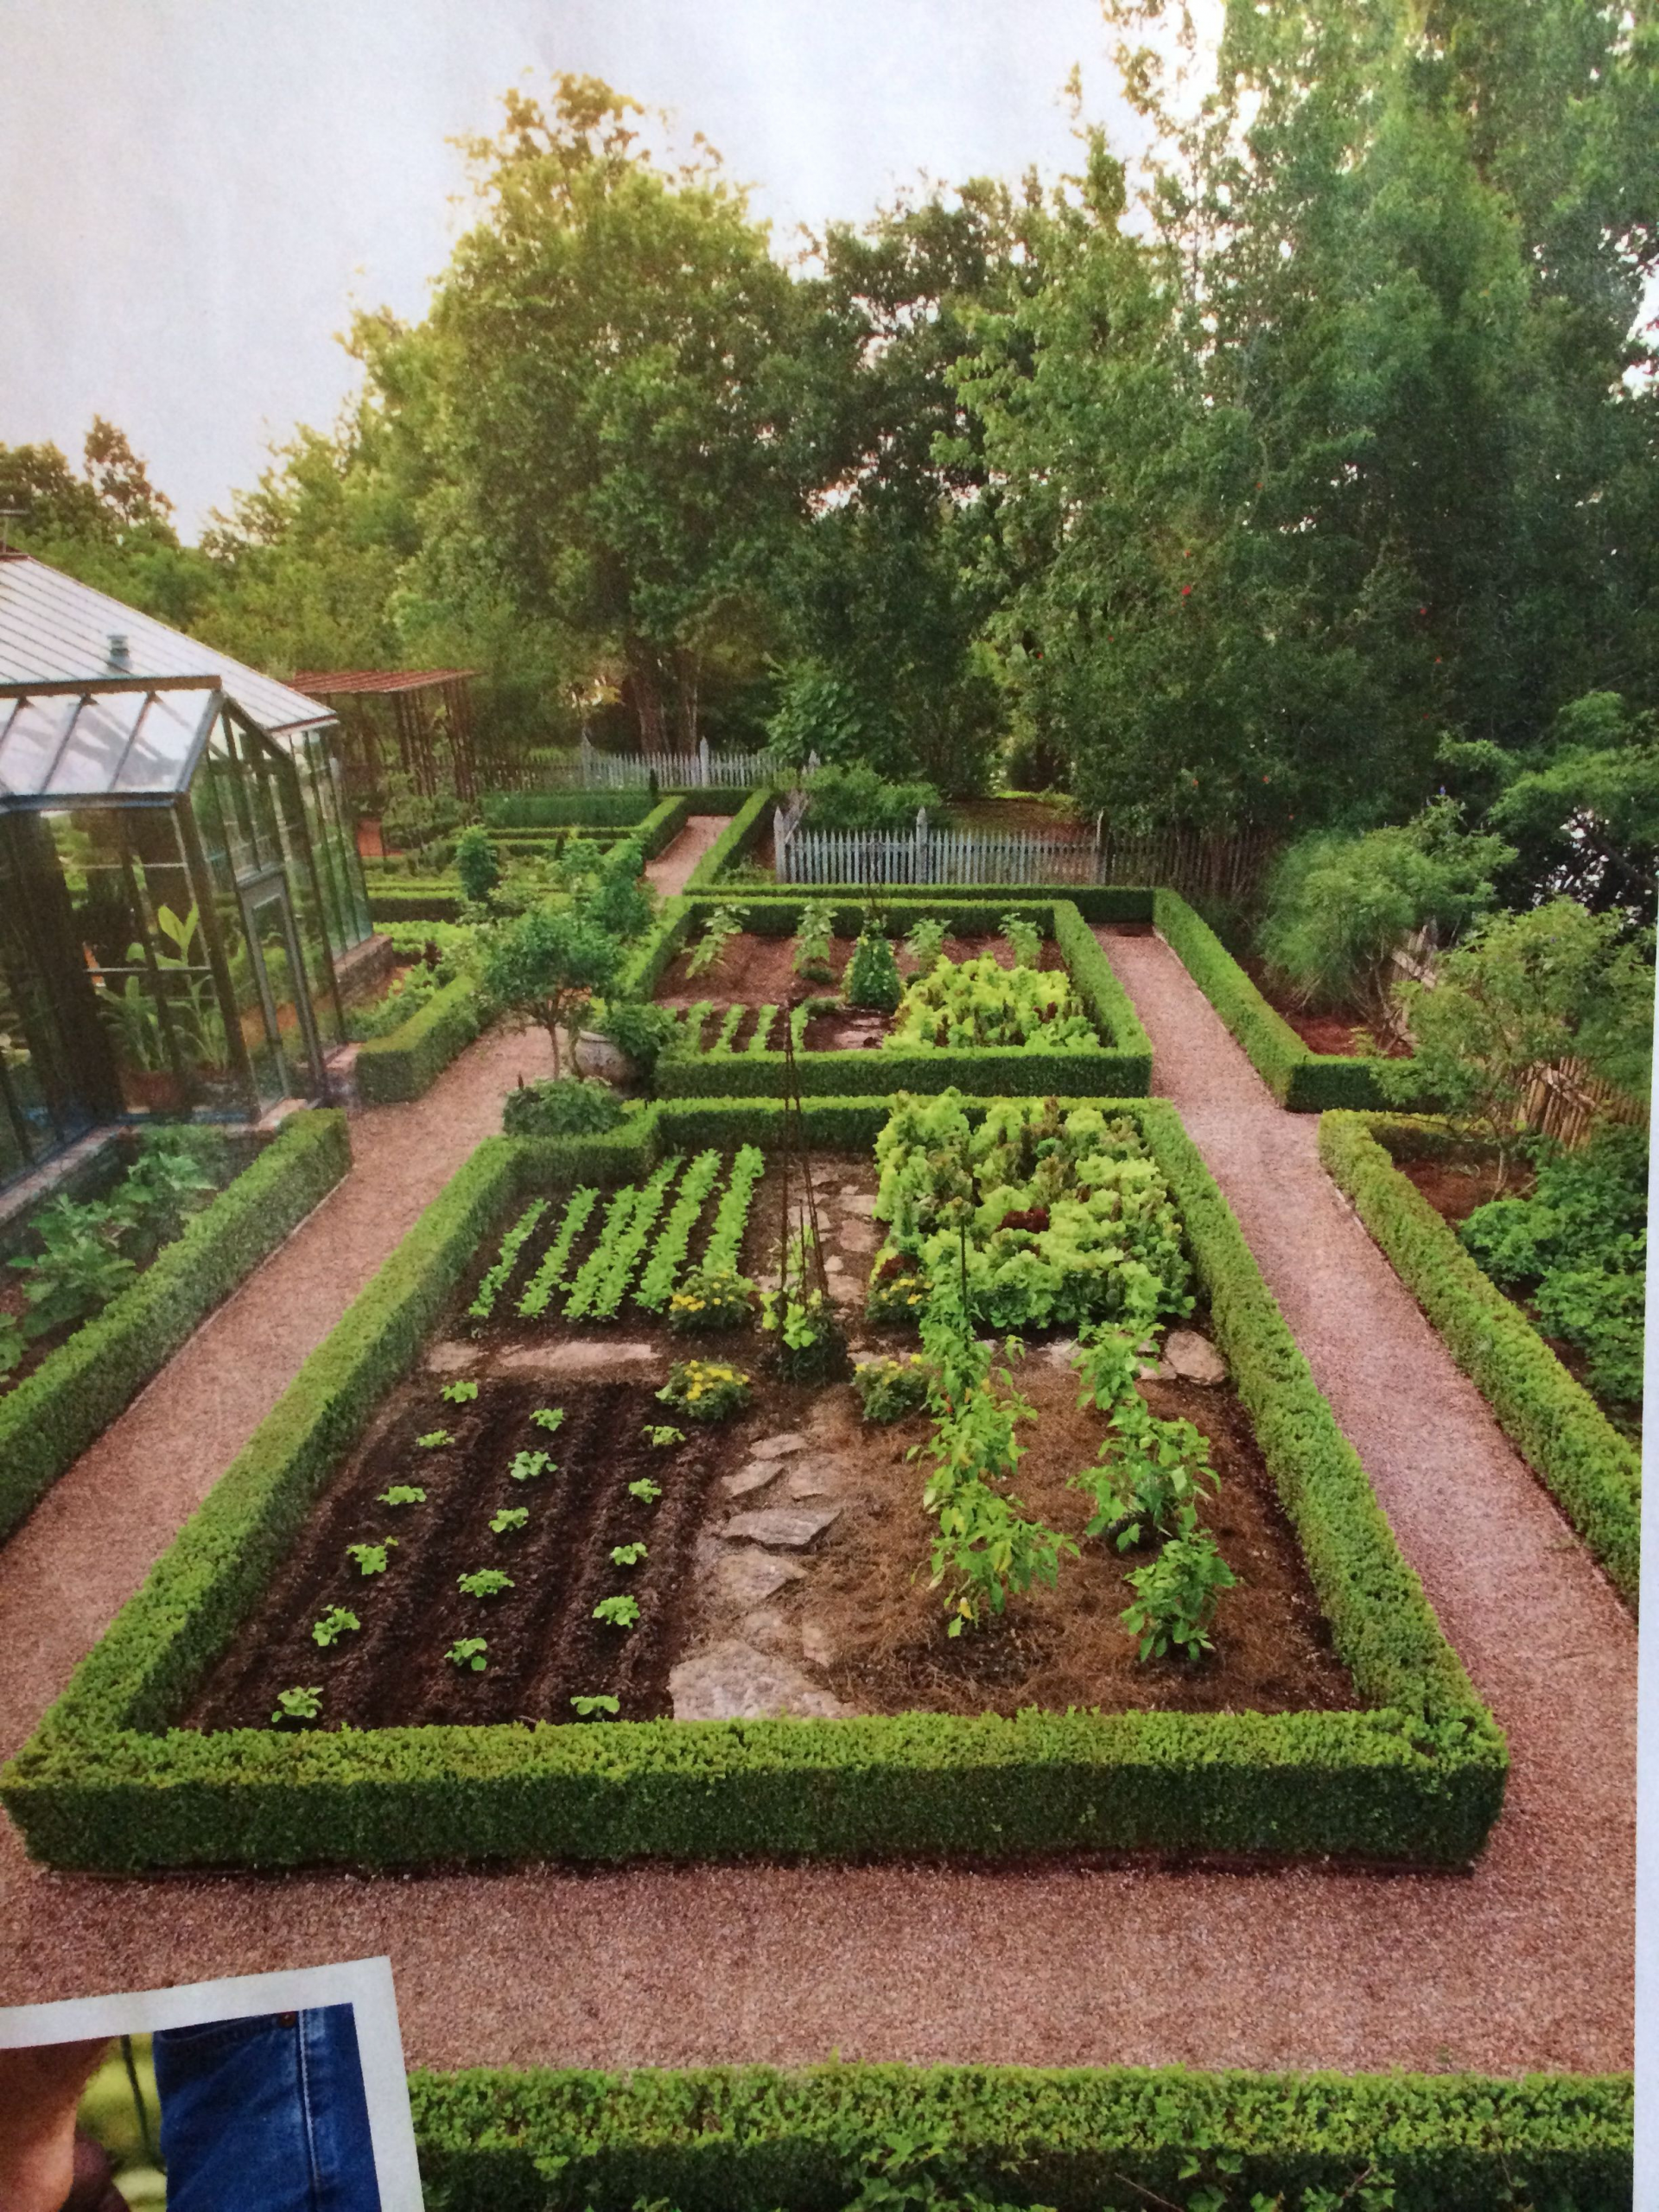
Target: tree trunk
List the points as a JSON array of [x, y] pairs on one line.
[[687, 672], [644, 684]]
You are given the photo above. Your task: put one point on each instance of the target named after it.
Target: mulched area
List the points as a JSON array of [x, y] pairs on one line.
[[1340, 1032], [544, 1645], [760, 971], [1455, 1188]]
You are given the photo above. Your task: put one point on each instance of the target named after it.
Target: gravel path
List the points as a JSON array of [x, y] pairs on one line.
[[666, 875], [1525, 1964]]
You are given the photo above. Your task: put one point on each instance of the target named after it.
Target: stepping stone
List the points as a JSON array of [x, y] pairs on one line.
[[850, 1190], [1061, 1352], [857, 1237], [578, 1358], [749, 1577], [774, 1447], [835, 1265], [733, 1682], [859, 1202], [818, 1645], [755, 1476], [826, 1477], [450, 1358], [1193, 1358], [788, 1528], [768, 1630]]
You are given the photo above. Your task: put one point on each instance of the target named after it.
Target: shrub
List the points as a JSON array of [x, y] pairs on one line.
[[888, 1389], [711, 1300], [392, 1071], [705, 1390], [859, 798], [560, 1106], [478, 864], [545, 967], [871, 978], [639, 1028]]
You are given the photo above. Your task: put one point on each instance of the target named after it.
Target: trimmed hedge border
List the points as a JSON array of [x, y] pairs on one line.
[[741, 835], [1121, 1070], [1304, 1082], [106, 1782], [437, 898], [64, 1406], [751, 2138], [595, 810], [1588, 1468], [392, 1071]]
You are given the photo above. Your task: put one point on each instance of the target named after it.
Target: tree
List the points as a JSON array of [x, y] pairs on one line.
[[109, 526], [611, 336], [543, 968], [1526, 991]]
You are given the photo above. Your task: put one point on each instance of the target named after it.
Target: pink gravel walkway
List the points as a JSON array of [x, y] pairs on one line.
[[667, 873], [1524, 1964]]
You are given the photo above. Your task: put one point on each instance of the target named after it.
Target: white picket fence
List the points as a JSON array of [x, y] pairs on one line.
[[927, 855], [589, 769]]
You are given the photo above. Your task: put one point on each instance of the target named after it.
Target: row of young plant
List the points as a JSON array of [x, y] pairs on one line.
[[662, 1280], [949, 1191]]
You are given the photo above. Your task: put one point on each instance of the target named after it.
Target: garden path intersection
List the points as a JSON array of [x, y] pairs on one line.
[[1524, 1964]]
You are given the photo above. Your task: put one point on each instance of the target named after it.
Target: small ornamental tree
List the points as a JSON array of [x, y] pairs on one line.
[[1528, 990], [873, 978], [543, 968]]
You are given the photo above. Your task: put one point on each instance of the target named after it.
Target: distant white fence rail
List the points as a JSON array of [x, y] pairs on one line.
[[589, 769], [1226, 866]]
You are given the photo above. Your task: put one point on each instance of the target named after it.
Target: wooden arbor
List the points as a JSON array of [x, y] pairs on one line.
[[430, 711]]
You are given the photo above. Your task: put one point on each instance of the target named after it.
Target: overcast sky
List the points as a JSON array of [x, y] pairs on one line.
[[196, 191]]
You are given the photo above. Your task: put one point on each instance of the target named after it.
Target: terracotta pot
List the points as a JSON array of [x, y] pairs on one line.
[[596, 1055]]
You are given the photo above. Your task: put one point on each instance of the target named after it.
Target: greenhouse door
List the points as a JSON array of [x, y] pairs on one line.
[[290, 1064]]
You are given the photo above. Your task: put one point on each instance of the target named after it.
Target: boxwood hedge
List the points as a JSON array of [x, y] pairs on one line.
[[1593, 1475], [54, 1415], [107, 1781], [739, 837], [392, 1069], [756, 2139], [1123, 1068]]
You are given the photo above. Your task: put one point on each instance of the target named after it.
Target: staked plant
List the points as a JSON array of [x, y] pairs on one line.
[[469, 1651], [814, 940], [724, 922], [871, 979], [334, 1624], [1024, 936]]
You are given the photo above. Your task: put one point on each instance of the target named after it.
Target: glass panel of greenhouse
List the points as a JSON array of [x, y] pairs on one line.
[[176, 887]]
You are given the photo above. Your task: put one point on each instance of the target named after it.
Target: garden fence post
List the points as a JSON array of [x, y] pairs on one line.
[[921, 874]]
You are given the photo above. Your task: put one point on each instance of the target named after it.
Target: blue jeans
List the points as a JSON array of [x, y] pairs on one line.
[[266, 2115]]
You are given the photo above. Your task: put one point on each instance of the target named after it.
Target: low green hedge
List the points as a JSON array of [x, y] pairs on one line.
[[1123, 1070], [1417, 1777], [1305, 1081], [438, 900], [756, 2139], [741, 835], [603, 809], [1592, 1473], [51, 1416], [392, 1071]]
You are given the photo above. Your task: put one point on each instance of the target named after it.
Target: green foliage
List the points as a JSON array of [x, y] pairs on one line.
[[705, 1390], [888, 1389], [1338, 907], [509, 1520], [484, 1582], [645, 1491], [401, 1494], [871, 978], [548, 1417], [371, 1559], [1525, 991], [565, 1106], [723, 921], [297, 1704], [543, 968], [602, 1281], [814, 938], [554, 1267], [393, 1070], [435, 1440], [586, 1707], [857, 798], [1024, 936], [662, 1272], [627, 1554], [617, 1613], [661, 1436], [51, 1417], [528, 1466], [925, 941], [638, 1028], [1591, 1471], [478, 864], [964, 1006], [1176, 1594], [501, 1273], [469, 1651], [334, 1624], [461, 1393]]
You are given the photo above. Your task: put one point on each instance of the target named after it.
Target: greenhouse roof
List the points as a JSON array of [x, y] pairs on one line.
[[54, 629], [132, 739]]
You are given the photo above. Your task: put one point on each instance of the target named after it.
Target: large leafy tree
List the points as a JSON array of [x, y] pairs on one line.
[[614, 335]]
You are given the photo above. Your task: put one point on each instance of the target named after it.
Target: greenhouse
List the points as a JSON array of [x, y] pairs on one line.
[[180, 891]]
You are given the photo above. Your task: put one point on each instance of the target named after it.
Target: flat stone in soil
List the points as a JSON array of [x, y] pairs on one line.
[[449, 1358], [755, 1476], [749, 1577], [1193, 1358], [583, 1357], [824, 1480], [768, 1630], [818, 1644], [786, 1528], [733, 1682], [857, 1237], [775, 1447]]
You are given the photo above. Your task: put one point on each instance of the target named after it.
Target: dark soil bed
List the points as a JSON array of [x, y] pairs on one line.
[[760, 971], [544, 1645], [1053, 1649], [1455, 1188], [1339, 1033]]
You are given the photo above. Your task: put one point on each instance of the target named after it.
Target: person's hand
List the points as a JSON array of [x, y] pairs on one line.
[[40, 2089]]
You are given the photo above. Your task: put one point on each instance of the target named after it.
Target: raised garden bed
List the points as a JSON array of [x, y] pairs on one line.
[[1593, 1473], [1341, 1032], [1415, 1776]]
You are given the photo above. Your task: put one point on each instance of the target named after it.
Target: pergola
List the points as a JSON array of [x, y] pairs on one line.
[[431, 714]]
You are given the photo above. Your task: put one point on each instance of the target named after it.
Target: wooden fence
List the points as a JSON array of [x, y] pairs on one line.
[[587, 769]]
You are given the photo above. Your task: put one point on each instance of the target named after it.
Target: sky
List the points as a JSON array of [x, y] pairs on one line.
[[198, 192]]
